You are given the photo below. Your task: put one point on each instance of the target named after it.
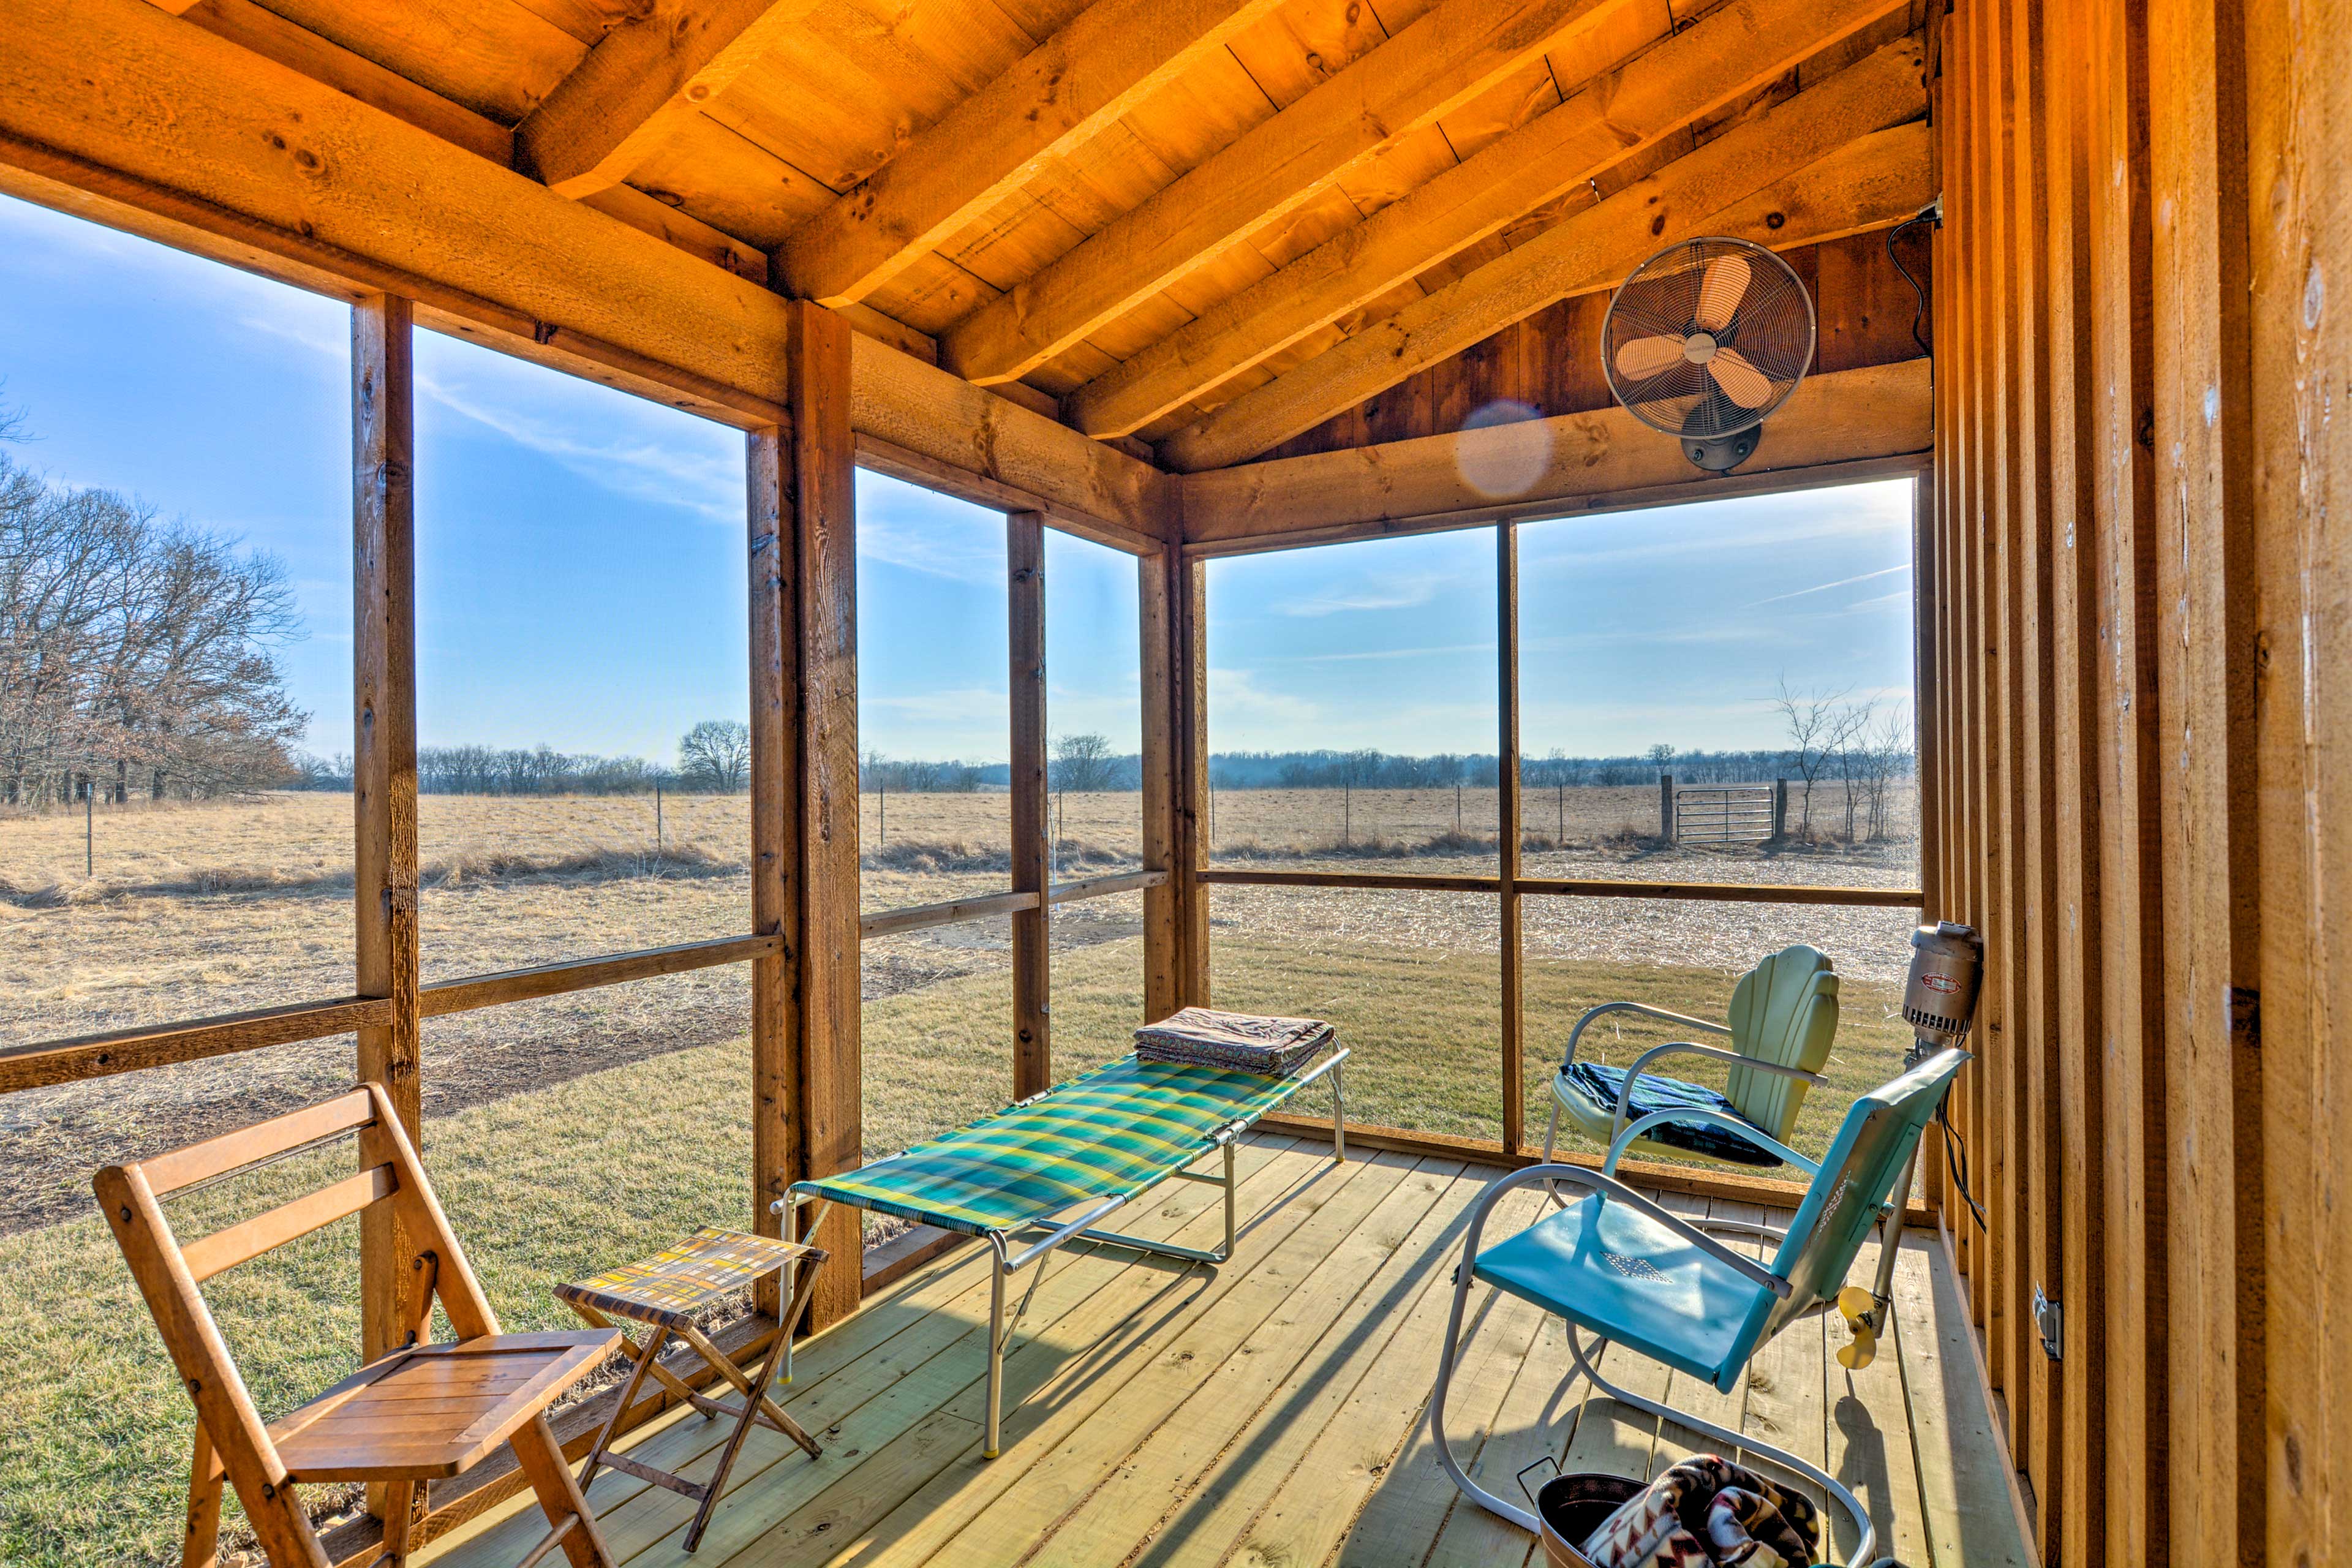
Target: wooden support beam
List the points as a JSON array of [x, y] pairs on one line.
[[1025, 559], [71, 1060], [1102, 63], [1606, 240], [1157, 577], [1443, 61], [1685, 77], [643, 80], [931, 420], [827, 1012], [257, 165], [1189, 581], [778, 1151], [383, 769], [1506, 829], [474, 992], [1850, 425]]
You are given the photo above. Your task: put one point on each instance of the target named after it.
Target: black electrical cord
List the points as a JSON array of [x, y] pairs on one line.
[[1932, 214], [1955, 1160]]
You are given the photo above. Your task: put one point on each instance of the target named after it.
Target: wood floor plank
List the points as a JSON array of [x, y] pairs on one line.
[[1054, 1386], [1104, 1301], [1971, 1522], [938, 1312], [1393, 1337], [1136, 1466], [1270, 1414], [1375, 1460], [1870, 1430]]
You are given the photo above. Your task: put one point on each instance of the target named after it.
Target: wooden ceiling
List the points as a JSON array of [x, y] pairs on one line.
[[1206, 225]]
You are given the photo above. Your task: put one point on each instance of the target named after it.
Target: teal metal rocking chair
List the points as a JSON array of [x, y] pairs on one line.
[[1782, 1019], [1616, 1265]]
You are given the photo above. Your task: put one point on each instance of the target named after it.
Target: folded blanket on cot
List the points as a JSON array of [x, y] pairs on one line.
[[1237, 1042]]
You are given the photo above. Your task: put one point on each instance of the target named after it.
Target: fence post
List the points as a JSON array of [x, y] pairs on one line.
[[1779, 808], [1666, 808]]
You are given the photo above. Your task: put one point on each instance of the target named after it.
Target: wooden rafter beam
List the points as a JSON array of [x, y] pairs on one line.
[[1728, 52], [1107, 59], [272, 36], [1449, 56], [1609, 239], [656, 69], [113, 110], [1844, 425]]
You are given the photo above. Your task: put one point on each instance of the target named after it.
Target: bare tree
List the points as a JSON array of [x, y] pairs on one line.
[[1888, 749], [1083, 764], [716, 755], [1850, 745], [1663, 755], [1813, 720], [127, 643]]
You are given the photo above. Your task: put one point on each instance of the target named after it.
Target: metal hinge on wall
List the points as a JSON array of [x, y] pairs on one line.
[[2052, 1322]]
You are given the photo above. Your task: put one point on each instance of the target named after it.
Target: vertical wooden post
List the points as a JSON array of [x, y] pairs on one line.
[[383, 766], [1190, 580], [1506, 813], [1024, 556], [824, 487], [1666, 808], [1163, 962], [777, 1153], [803, 636]]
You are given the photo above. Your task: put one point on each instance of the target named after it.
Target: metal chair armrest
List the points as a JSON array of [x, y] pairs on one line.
[[1634, 1131], [1614, 1190], [1634, 1073], [1643, 1008]]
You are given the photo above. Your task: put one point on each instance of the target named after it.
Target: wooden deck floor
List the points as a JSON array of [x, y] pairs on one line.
[[1269, 1413]]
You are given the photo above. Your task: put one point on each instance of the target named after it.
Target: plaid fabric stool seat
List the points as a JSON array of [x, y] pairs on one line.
[[663, 1292]]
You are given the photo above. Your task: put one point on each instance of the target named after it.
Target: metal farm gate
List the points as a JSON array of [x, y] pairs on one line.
[[1725, 814]]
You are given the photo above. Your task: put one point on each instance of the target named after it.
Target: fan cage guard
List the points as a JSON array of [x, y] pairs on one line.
[[1773, 328]]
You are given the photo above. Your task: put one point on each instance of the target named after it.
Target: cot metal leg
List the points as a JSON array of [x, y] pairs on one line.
[[1339, 1118], [1231, 1198], [996, 1345]]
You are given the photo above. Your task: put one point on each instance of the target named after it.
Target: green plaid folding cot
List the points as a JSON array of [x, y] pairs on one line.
[[1061, 1162]]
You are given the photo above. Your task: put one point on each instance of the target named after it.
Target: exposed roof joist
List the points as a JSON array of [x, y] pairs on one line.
[[187, 138], [1109, 57], [1681, 79], [655, 68], [1449, 56], [1696, 193]]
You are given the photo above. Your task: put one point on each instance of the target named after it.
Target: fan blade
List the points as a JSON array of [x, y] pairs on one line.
[[1720, 291], [1741, 382], [1639, 359]]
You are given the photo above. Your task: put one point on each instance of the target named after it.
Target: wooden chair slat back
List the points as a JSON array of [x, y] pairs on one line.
[[169, 1276], [167, 1173], [243, 1242], [207, 1373]]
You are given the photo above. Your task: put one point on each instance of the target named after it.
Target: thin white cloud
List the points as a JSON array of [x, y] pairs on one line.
[[955, 552], [1825, 588], [507, 398], [1382, 653], [1396, 594]]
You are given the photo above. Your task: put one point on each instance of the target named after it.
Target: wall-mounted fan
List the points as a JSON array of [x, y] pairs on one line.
[[1704, 340]]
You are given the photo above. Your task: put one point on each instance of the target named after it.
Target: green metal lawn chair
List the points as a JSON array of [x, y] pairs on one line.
[[1616, 1265], [1784, 1014]]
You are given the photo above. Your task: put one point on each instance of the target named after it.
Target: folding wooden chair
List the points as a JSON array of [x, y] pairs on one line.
[[663, 1292], [425, 1412]]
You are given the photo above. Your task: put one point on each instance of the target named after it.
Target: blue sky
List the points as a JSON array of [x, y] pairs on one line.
[[581, 577]]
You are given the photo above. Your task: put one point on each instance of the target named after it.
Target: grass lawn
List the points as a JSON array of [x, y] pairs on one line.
[[560, 1182]]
